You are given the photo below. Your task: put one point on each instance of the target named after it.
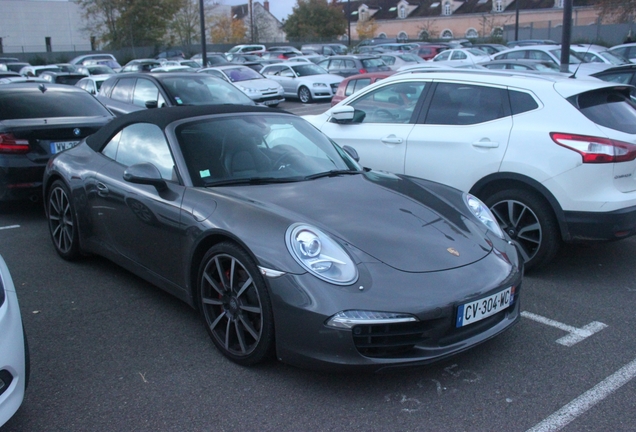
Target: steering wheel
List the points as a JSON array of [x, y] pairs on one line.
[[290, 153], [382, 113]]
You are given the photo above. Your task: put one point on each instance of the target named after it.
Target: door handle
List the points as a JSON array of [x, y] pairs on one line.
[[392, 139], [102, 189], [486, 143]]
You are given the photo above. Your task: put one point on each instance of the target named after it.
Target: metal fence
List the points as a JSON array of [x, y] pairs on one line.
[[602, 34]]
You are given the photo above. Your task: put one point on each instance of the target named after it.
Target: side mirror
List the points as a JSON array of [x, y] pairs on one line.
[[145, 173], [343, 114], [152, 104], [352, 152]]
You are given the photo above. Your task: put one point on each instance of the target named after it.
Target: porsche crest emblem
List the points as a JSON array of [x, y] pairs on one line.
[[453, 251]]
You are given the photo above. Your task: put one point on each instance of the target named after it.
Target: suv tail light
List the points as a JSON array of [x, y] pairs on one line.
[[596, 149], [12, 145], [362, 70]]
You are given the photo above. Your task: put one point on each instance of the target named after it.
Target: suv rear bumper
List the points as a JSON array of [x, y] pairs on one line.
[[583, 227]]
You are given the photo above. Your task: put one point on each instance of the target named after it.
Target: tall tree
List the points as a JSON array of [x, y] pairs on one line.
[[130, 23], [315, 19], [617, 11], [224, 29], [366, 28], [186, 24]]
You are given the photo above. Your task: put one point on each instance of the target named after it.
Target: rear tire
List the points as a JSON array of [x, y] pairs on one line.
[[530, 222]]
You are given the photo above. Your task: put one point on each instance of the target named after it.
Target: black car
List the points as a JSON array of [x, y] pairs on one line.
[[38, 120], [625, 74], [347, 65], [124, 93], [285, 245]]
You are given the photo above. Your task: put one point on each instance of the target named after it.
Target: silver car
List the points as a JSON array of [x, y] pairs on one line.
[[260, 89], [305, 81]]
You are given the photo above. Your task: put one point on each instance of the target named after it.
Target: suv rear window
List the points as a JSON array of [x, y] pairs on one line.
[[611, 108], [24, 103]]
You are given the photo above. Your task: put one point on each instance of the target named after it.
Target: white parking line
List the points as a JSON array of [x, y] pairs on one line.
[[9, 227], [587, 400], [576, 334]]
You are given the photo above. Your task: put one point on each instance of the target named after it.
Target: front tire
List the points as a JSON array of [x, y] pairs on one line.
[[530, 223], [62, 221], [304, 94], [235, 305]]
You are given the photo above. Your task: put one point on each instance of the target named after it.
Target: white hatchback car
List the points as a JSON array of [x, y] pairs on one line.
[[261, 90], [14, 363], [553, 157]]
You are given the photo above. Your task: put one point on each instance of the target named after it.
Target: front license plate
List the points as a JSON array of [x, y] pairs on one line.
[[57, 147], [271, 102], [477, 310]]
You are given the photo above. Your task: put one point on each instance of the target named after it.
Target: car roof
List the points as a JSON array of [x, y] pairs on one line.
[[162, 117], [616, 69], [563, 84]]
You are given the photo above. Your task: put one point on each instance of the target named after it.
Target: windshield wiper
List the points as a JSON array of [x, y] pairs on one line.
[[250, 181], [332, 173]]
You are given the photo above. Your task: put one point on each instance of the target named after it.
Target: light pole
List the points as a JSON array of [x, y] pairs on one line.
[[349, 22], [204, 51]]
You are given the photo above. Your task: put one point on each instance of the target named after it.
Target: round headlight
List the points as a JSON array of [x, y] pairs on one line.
[[319, 254]]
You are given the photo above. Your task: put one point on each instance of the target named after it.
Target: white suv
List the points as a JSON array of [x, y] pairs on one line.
[[553, 157]]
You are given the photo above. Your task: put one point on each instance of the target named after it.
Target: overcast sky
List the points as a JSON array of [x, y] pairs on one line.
[[279, 8]]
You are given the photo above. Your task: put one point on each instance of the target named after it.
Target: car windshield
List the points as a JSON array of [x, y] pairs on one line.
[[100, 70], [259, 148], [203, 90], [28, 103], [410, 58], [39, 71], [477, 52], [308, 69], [613, 58], [574, 58], [547, 67], [242, 74]]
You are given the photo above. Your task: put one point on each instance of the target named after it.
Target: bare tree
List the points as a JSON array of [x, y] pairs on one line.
[[617, 11]]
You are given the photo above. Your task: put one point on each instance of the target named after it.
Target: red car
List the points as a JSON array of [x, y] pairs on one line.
[[428, 51], [354, 83]]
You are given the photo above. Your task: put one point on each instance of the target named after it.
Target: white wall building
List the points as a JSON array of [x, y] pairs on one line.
[[41, 26]]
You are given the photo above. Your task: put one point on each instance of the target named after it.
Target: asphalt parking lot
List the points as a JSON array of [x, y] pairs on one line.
[[111, 352]]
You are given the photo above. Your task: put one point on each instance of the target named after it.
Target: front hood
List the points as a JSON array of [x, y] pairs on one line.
[[322, 78], [390, 218], [260, 84]]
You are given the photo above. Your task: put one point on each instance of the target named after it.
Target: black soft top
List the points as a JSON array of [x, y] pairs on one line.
[[162, 117]]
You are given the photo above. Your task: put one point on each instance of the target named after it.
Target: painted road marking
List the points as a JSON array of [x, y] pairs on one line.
[[587, 400], [9, 227], [575, 336]]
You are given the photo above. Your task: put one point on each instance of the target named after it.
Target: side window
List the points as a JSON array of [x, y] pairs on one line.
[[618, 77], [350, 89], [272, 70], [123, 90], [139, 143], [336, 64], [388, 60], [521, 102], [287, 72], [459, 55], [362, 83], [461, 104], [146, 91], [443, 56], [518, 67], [539, 55], [514, 55], [393, 103]]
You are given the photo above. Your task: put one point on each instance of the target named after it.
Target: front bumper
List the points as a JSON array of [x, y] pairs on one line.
[[13, 368], [302, 304], [583, 227]]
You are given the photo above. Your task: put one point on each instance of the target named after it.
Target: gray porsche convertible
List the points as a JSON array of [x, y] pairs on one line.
[[280, 239]]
